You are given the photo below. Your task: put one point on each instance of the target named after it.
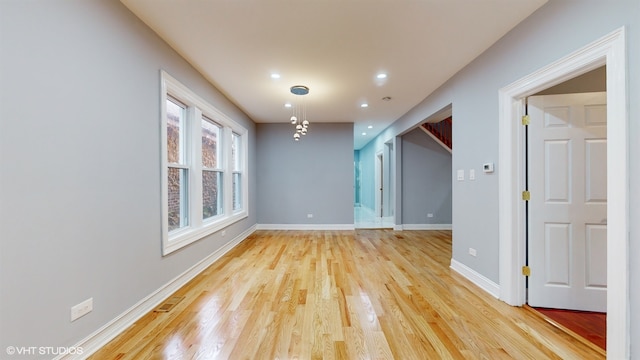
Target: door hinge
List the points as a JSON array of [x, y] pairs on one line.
[[526, 195], [525, 120], [526, 271]]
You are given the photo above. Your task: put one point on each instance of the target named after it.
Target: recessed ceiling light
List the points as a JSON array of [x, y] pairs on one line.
[[370, 127], [275, 76], [364, 133], [287, 105], [364, 105], [381, 76]]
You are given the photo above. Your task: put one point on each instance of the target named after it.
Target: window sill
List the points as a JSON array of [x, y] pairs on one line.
[[189, 235]]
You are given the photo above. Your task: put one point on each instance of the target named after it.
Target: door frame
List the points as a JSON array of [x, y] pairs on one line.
[[610, 51], [379, 186], [387, 191]]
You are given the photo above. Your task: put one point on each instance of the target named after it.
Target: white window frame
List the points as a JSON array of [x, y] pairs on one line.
[[241, 171], [220, 168], [196, 109], [182, 163]]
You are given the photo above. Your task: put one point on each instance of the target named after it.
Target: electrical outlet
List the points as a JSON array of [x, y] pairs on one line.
[[461, 175], [82, 309], [472, 252], [429, 215], [309, 216], [472, 174]]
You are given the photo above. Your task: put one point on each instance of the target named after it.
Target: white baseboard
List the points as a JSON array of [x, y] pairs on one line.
[[482, 282], [426, 227], [108, 332], [305, 227]]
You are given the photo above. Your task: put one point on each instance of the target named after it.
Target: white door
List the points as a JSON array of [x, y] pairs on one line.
[[567, 172]]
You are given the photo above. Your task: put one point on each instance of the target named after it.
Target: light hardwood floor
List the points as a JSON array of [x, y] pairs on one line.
[[365, 294]]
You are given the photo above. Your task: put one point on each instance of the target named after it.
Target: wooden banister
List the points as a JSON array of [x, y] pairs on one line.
[[442, 131]]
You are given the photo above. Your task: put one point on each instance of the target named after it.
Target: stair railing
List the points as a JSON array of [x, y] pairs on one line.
[[442, 131]]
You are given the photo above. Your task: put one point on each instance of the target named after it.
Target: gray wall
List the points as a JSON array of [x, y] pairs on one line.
[[557, 29], [310, 176], [426, 180], [80, 210]]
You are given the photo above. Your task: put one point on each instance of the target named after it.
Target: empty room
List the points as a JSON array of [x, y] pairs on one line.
[[439, 179]]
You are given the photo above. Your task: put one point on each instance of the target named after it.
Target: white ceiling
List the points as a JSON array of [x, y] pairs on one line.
[[335, 47]]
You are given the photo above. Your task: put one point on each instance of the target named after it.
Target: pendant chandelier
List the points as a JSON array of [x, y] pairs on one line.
[[299, 112]]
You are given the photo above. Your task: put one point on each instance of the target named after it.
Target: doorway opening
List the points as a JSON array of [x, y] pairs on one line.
[[566, 216], [379, 184], [374, 186], [609, 51]]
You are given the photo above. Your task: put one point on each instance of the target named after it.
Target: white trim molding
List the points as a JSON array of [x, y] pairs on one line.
[[115, 327], [306, 227], [476, 278], [610, 51], [427, 226]]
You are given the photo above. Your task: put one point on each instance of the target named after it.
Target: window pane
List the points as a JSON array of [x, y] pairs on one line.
[[235, 153], [237, 191], [211, 194], [176, 115], [210, 144], [178, 203]]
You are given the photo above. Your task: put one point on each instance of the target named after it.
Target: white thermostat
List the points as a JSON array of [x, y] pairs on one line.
[[487, 167]]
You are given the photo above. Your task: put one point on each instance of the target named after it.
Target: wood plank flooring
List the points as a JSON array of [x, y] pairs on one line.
[[365, 294]]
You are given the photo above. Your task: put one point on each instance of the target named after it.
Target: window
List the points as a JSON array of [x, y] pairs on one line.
[[236, 157], [212, 172], [178, 170], [204, 187]]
